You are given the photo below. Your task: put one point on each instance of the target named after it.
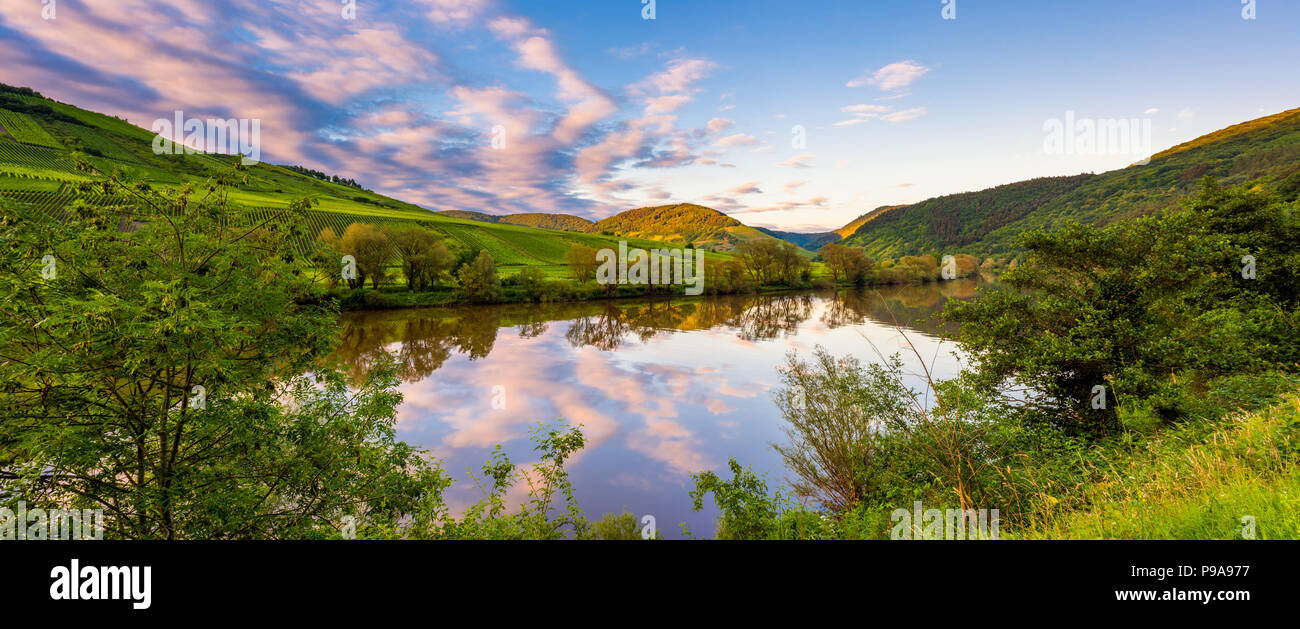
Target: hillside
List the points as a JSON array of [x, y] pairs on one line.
[[540, 220], [38, 136], [986, 223], [679, 224]]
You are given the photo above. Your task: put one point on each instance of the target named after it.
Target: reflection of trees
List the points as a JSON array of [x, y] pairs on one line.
[[770, 316], [608, 329], [424, 342], [427, 338], [533, 322], [915, 306], [424, 348]]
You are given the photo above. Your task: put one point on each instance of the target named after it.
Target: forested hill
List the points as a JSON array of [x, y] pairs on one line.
[[681, 223], [986, 223], [563, 222]]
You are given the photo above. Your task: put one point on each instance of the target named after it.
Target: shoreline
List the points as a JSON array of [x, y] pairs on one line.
[[356, 300]]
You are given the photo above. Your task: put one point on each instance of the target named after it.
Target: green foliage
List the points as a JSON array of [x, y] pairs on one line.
[[479, 281], [749, 511], [838, 413], [156, 371], [1142, 308], [849, 263], [1195, 481], [370, 247], [582, 262], [770, 261], [424, 258], [549, 512]]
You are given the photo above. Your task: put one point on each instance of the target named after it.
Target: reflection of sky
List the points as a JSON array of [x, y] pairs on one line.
[[653, 412]]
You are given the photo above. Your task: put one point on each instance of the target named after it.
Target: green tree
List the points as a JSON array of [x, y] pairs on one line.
[[849, 263], [157, 373], [1133, 313], [370, 247], [760, 258], [424, 257], [479, 281], [581, 260]]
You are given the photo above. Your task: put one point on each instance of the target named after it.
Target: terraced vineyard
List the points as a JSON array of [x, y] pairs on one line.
[[25, 130], [16, 157]]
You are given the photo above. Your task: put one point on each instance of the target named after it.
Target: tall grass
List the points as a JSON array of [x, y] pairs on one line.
[[1192, 482]]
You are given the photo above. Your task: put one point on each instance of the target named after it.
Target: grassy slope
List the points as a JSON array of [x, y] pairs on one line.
[[987, 222], [1195, 482], [33, 174]]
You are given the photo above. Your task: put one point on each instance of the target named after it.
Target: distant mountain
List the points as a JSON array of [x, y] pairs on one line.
[[470, 215], [809, 241], [986, 223], [563, 222]]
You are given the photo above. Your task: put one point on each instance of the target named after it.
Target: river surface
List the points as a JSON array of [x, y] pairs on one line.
[[661, 388]]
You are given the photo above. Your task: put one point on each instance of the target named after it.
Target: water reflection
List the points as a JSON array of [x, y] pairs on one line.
[[663, 388]]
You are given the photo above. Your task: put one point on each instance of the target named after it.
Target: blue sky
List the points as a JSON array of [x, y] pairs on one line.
[[601, 110]]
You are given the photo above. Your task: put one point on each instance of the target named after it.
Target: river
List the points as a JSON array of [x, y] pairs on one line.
[[662, 388]]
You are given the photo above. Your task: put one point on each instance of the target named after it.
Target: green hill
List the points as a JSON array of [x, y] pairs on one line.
[[36, 170], [562, 222], [679, 224], [986, 223]]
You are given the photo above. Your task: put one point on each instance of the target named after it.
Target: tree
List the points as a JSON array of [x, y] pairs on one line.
[[581, 260], [327, 257], [1138, 311], [533, 281], [792, 266], [479, 281], [760, 259], [850, 263], [158, 374], [424, 257], [370, 246]]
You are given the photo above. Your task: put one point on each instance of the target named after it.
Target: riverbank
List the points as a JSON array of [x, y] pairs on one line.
[[559, 291]]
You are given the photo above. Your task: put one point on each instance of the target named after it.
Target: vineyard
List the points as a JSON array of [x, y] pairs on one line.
[[35, 158], [25, 130]]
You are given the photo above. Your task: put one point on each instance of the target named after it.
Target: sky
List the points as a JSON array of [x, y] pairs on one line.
[[792, 115]]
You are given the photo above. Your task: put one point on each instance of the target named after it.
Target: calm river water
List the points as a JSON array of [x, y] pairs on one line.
[[662, 388]]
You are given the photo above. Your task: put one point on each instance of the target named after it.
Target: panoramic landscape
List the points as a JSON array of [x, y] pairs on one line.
[[498, 270]]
